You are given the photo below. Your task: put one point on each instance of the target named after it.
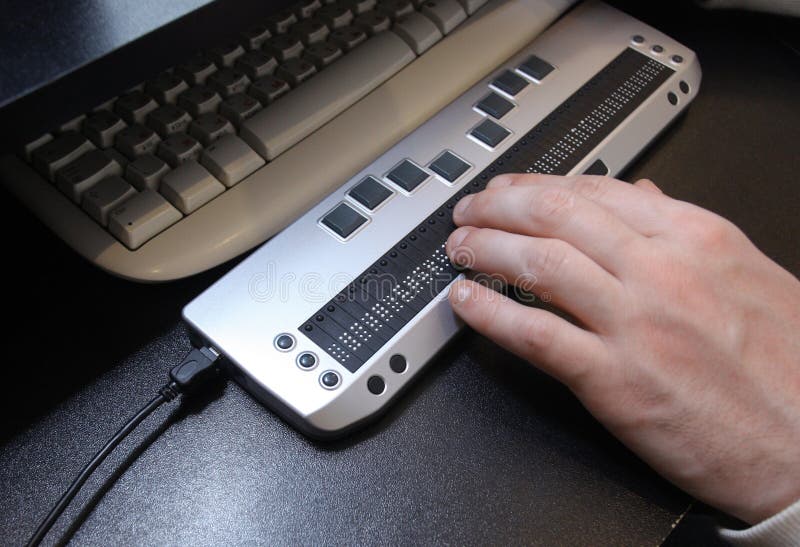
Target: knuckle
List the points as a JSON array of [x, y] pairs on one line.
[[553, 205], [547, 261], [538, 334], [591, 187]]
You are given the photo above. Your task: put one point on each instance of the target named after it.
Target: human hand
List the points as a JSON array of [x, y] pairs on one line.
[[687, 346]]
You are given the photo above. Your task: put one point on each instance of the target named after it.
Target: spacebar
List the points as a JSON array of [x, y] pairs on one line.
[[294, 117]]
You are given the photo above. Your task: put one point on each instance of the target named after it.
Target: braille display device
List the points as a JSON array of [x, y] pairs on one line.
[[332, 318]]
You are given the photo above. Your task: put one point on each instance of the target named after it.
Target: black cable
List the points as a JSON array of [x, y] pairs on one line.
[[195, 369]]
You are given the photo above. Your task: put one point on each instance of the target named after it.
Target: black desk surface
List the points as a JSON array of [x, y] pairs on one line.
[[481, 449]]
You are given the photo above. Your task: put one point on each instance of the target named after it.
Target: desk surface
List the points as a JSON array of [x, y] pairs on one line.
[[481, 449]]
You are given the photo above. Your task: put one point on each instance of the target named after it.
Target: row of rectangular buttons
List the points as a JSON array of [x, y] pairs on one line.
[[344, 220]]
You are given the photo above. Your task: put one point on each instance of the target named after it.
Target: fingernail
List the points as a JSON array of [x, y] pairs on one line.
[[461, 293], [462, 205], [500, 181]]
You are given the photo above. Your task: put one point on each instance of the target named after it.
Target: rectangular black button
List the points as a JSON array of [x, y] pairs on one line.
[[536, 68], [494, 105], [597, 168], [343, 220], [370, 193], [407, 176], [510, 83], [449, 166], [490, 133]]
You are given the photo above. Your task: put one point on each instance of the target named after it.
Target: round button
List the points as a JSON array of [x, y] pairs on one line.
[[376, 385], [329, 379], [284, 342], [658, 49], [638, 39], [672, 98], [398, 363], [684, 87], [306, 360], [677, 59]]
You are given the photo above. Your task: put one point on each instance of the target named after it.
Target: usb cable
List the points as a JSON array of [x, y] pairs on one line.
[[199, 366]]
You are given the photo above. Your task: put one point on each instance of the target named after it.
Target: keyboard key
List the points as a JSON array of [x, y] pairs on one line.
[[257, 64], [72, 125], [494, 105], [446, 14], [268, 89], [168, 119], [179, 148], [190, 186], [64, 149], [134, 107], [255, 37], [101, 127], [226, 54], [166, 87], [117, 156], [370, 193], [449, 166], [348, 37], [418, 31], [141, 217], [296, 71], [106, 195], [280, 22], [306, 8], [510, 83], [395, 9], [28, 149], [199, 100], [229, 81], [362, 6], [313, 104], [135, 140], [335, 15], [230, 160], [80, 175], [343, 220], [311, 31], [284, 47], [239, 107], [146, 172], [322, 54], [407, 176], [536, 68], [196, 70], [471, 6], [372, 22], [488, 132]]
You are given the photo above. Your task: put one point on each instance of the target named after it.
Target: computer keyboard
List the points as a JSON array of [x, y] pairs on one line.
[[208, 159], [329, 320]]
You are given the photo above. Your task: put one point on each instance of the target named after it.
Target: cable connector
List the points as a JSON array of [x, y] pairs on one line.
[[195, 369]]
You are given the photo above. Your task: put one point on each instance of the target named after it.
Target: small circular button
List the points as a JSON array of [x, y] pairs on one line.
[[329, 379], [398, 363], [306, 360], [638, 39], [658, 49], [677, 59], [672, 98], [684, 87], [284, 342], [376, 385]]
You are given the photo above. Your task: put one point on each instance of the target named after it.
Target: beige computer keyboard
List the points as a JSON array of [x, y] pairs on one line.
[[175, 189]]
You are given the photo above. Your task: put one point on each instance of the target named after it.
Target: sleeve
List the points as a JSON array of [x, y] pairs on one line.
[[781, 530], [783, 7]]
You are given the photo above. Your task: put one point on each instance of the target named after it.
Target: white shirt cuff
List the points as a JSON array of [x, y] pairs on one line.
[[781, 530]]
